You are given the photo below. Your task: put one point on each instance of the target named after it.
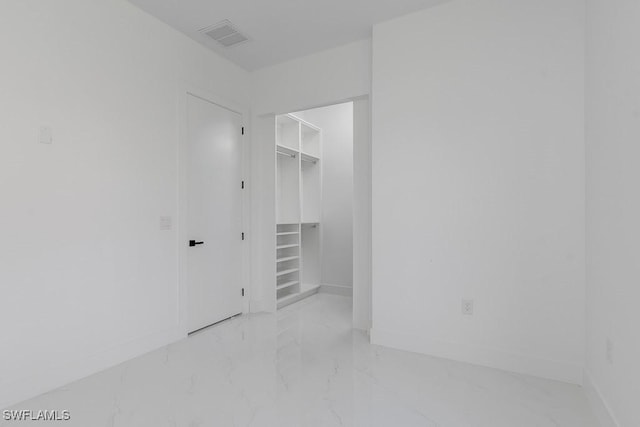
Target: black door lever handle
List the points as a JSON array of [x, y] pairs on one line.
[[194, 243]]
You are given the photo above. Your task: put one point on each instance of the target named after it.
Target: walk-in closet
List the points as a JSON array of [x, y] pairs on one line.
[[314, 203]]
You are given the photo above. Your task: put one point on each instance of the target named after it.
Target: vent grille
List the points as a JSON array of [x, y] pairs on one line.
[[225, 33]]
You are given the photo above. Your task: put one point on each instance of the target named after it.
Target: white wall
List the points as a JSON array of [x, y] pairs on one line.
[[478, 184], [613, 207], [339, 74], [336, 122], [87, 278], [316, 80], [362, 214]]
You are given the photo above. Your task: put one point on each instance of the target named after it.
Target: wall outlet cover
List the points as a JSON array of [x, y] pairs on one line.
[[467, 307]]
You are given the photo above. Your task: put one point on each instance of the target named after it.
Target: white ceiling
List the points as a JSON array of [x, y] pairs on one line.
[[280, 29]]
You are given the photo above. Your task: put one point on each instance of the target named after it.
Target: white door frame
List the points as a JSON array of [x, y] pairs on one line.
[[181, 222], [264, 215]]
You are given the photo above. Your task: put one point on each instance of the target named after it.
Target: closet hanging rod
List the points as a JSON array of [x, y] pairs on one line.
[[309, 160], [293, 156]]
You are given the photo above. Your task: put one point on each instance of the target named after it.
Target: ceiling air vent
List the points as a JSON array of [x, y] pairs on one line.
[[225, 33]]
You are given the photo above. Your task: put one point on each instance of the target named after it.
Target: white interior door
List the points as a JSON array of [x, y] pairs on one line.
[[214, 206]]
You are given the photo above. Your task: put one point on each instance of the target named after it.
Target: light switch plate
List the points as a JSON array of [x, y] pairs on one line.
[[166, 223], [45, 135]]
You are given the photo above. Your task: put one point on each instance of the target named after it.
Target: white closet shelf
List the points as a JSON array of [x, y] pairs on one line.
[[309, 158], [293, 245], [287, 233], [308, 127], [289, 258], [286, 150], [287, 285], [288, 299], [282, 273], [305, 291], [287, 119]]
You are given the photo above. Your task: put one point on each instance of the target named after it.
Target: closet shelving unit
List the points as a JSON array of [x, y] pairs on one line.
[[298, 209]]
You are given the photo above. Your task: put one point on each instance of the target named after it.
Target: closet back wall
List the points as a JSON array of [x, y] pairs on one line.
[[336, 122], [87, 278]]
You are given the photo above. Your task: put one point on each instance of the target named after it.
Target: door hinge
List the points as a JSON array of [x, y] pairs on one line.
[[242, 291], [242, 236], [243, 185], [243, 130]]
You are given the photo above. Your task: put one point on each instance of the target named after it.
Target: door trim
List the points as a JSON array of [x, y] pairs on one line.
[[180, 306]]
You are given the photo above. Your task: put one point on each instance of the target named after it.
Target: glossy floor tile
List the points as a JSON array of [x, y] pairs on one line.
[[304, 366]]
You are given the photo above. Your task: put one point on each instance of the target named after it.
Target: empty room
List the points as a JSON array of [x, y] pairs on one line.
[[414, 213]]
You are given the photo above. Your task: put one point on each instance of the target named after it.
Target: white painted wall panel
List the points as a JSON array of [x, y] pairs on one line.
[[613, 208], [478, 184]]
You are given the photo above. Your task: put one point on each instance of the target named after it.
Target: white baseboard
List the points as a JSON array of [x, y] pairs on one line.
[[599, 405], [19, 389], [483, 356], [345, 291]]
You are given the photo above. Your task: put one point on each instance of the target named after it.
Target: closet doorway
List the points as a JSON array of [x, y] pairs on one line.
[[314, 166]]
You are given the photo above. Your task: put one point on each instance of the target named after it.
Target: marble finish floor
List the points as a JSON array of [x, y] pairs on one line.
[[304, 366]]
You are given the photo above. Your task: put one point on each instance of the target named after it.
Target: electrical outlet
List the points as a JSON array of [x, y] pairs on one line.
[[467, 307], [609, 351]]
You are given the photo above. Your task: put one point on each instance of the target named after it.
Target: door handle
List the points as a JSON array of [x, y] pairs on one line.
[[194, 243]]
